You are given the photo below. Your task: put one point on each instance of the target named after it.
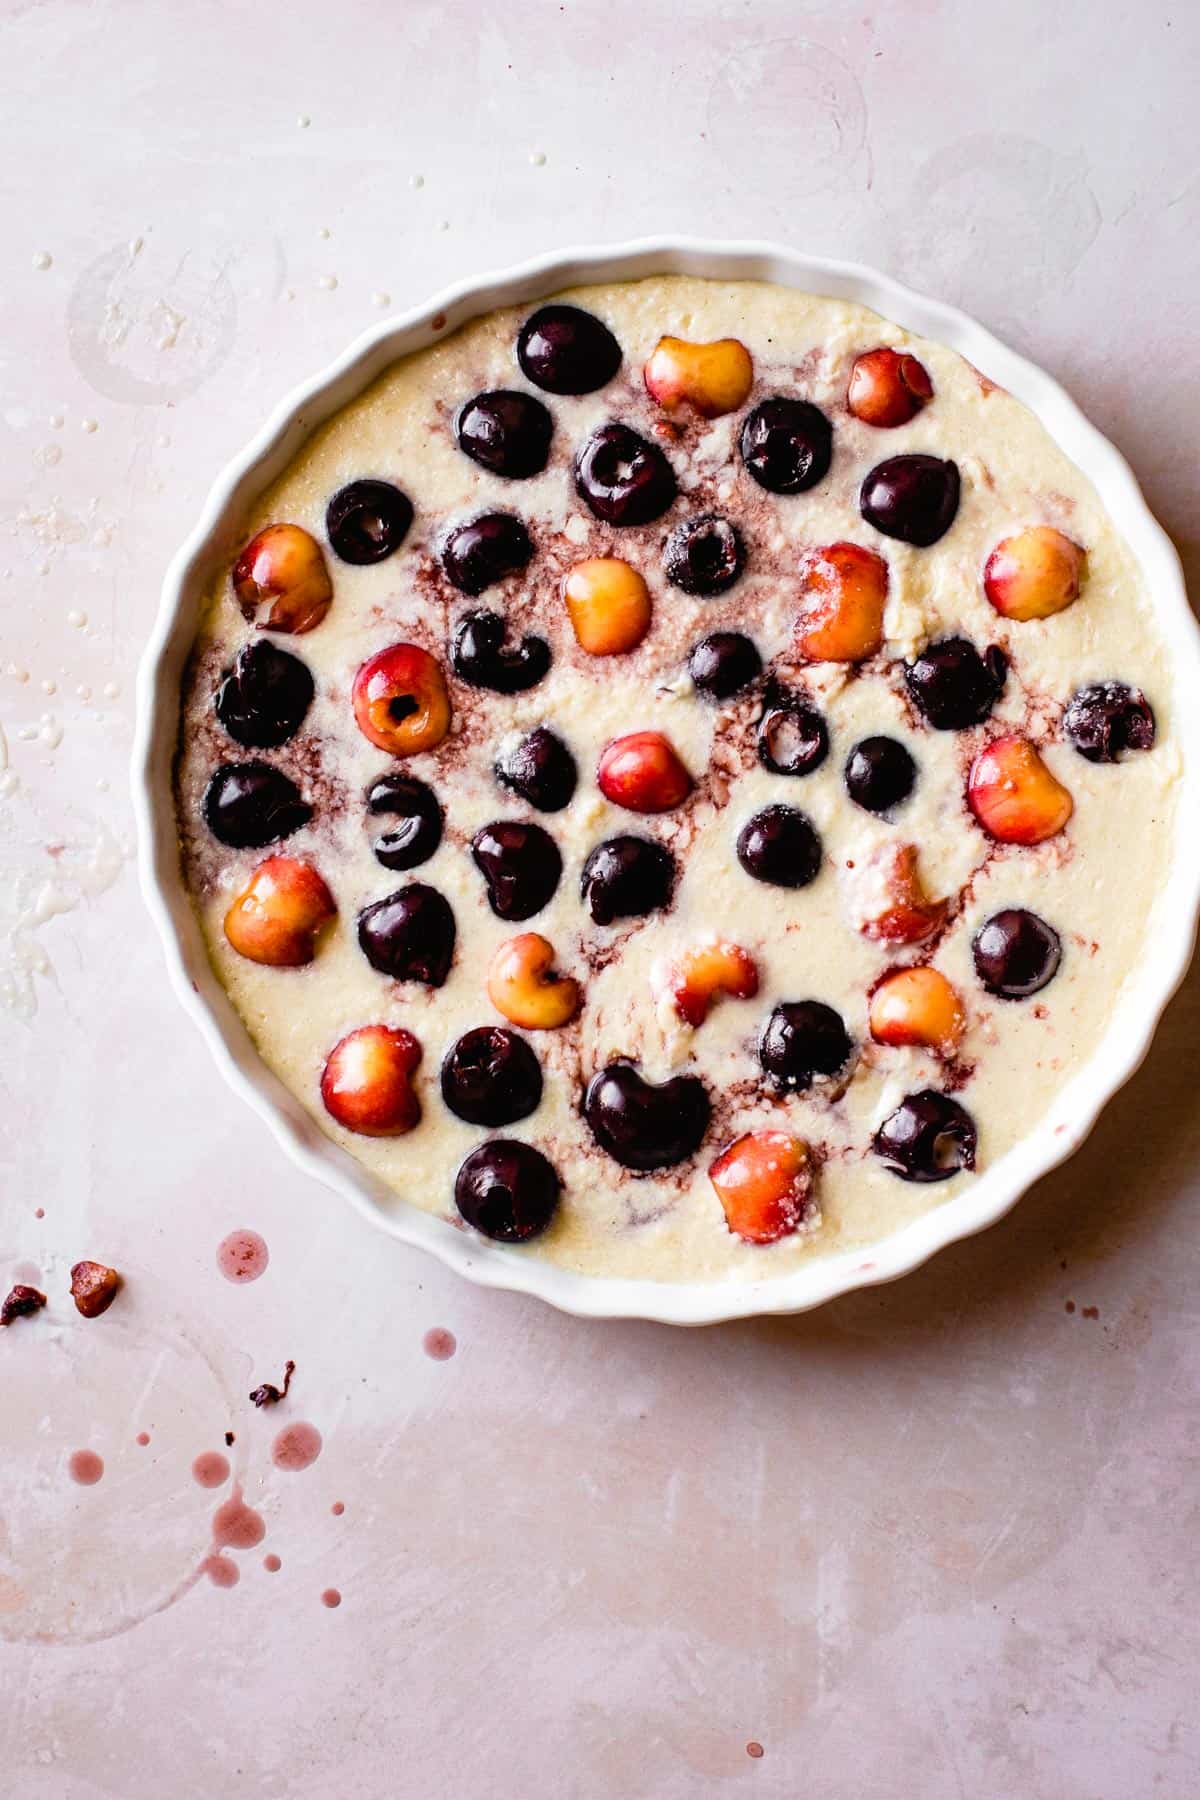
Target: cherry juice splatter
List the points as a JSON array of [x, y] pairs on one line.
[[222, 1571], [142, 1438], [85, 1467], [272, 1564], [210, 1469], [242, 1256], [296, 1447], [331, 1597], [236, 1526], [439, 1343]]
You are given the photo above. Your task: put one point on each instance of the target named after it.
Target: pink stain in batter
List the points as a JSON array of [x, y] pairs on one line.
[[338, 1508], [236, 1526], [272, 1564], [211, 1469], [143, 1438], [753, 1749], [440, 1344], [242, 1256], [297, 1447], [331, 1597], [222, 1571], [85, 1467], [39, 1212]]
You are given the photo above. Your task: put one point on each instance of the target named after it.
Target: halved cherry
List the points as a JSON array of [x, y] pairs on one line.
[[281, 580], [1013, 794], [400, 700], [917, 1006], [764, 1181], [844, 589], [367, 1085], [278, 914]]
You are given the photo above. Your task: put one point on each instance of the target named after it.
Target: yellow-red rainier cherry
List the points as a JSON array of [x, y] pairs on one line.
[[281, 580], [278, 914], [764, 1181], [844, 591], [643, 773], [524, 986], [608, 604], [887, 387], [917, 1006], [400, 700], [712, 378], [693, 982], [892, 904], [1034, 574], [1013, 794], [367, 1084]]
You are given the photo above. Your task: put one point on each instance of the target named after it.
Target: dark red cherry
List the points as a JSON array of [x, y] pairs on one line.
[[483, 551], [505, 431], [491, 1077], [879, 774], [564, 350], [642, 1126], [624, 479], [247, 805], [1016, 953], [414, 840], [801, 1040], [481, 657], [913, 498], [368, 521], [929, 1137], [541, 769], [722, 664], [409, 935], [626, 878], [787, 445], [780, 846], [507, 1190], [264, 695], [521, 865], [793, 738], [704, 555], [1108, 717], [953, 686]]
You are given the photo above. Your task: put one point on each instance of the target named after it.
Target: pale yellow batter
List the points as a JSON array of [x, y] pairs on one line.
[[1095, 882]]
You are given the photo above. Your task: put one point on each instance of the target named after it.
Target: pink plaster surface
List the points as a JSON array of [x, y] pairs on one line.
[[936, 1541]]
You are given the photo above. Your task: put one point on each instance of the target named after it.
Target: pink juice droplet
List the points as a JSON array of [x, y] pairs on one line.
[[85, 1467], [39, 1212], [338, 1508], [296, 1447], [211, 1469], [242, 1256], [222, 1571], [272, 1564], [143, 1438], [440, 1344], [236, 1526], [331, 1597]]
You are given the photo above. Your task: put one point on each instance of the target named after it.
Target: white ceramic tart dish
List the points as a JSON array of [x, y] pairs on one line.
[[877, 864]]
